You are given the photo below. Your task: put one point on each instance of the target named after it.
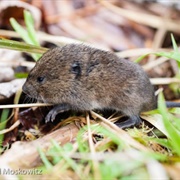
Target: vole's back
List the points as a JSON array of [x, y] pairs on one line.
[[116, 83]]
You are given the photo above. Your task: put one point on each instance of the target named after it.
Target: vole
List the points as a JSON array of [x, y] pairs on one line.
[[82, 78]]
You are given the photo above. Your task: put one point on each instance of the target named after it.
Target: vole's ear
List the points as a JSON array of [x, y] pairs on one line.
[[76, 69]]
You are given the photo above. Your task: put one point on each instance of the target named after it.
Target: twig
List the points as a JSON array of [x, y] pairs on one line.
[[16, 124], [23, 105], [142, 18], [157, 81], [91, 145], [121, 133], [155, 63], [51, 38], [139, 52]]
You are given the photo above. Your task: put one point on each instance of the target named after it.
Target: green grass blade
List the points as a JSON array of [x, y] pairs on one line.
[[175, 47], [141, 58], [28, 36], [3, 122], [44, 159], [30, 27], [20, 46], [68, 160], [21, 31], [172, 55], [171, 129]]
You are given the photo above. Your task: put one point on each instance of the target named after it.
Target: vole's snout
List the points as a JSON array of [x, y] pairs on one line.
[[25, 89]]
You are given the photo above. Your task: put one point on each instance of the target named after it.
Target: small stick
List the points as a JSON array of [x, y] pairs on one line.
[[24, 105]]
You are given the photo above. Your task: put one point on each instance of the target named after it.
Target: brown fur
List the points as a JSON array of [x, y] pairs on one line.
[[101, 81]]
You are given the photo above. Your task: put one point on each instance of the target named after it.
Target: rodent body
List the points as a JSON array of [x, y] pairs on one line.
[[83, 78]]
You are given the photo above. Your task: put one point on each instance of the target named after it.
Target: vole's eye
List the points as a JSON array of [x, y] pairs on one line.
[[76, 68], [40, 79]]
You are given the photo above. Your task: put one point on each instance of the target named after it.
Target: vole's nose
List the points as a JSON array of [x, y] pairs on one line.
[[25, 89]]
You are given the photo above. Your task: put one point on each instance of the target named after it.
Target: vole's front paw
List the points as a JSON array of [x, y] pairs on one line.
[[56, 110], [51, 116]]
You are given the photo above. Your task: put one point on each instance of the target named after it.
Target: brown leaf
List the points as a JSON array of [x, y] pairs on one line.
[[15, 9]]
